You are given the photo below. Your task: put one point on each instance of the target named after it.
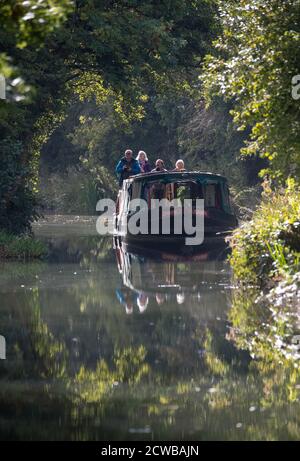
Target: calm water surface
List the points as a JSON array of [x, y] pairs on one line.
[[106, 345]]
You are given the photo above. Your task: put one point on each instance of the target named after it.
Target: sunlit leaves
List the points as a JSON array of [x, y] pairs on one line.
[[31, 20], [129, 367], [269, 245], [255, 59]]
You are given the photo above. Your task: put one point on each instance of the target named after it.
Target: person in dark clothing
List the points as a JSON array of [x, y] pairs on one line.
[[143, 162], [127, 166], [159, 166], [127, 298]]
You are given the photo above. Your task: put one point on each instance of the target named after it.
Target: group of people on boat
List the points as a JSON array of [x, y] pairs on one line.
[[130, 166], [130, 299]]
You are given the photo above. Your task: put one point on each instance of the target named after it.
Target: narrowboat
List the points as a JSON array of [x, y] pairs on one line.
[[216, 214]]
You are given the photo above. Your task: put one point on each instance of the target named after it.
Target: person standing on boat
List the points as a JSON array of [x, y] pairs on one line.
[[159, 166], [127, 166], [179, 165], [143, 162]]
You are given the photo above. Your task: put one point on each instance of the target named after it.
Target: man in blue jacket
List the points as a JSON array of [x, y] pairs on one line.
[[127, 166]]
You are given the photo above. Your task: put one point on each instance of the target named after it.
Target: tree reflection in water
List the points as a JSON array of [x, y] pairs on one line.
[[268, 327], [79, 368]]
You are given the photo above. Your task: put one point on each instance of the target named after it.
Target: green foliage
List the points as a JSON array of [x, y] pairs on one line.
[[130, 44], [255, 59], [17, 200], [266, 326], [95, 136], [208, 139], [24, 248], [174, 126], [130, 367], [25, 23], [49, 355], [77, 190], [185, 371], [59, 53], [212, 361], [24, 26], [269, 245]]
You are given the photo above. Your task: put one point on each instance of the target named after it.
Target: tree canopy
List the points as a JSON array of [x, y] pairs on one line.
[[57, 53], [87, 78], [255, 59]]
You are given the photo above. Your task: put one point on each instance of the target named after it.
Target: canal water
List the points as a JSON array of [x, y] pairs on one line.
[[105, 344]]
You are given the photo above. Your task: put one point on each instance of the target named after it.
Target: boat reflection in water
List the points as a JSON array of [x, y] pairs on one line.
[[152, 276]]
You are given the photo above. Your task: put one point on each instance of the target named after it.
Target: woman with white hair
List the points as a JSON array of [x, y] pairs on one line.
[[143, 162], [179, 165]]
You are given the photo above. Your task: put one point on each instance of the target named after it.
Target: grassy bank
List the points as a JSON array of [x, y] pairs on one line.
[[265, 315], [20, 247], [266, 250]]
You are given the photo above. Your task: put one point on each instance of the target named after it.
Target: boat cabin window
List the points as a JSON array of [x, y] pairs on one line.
[[227, 202], [188, 190], [210, 191], [136, 190], [212, 196], [170, 191], [157, 191]]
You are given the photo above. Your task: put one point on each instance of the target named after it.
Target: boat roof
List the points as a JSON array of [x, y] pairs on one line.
[[174, 175]]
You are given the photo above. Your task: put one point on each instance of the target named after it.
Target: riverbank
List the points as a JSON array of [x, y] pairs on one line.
[[22, 247], [265, 311], [266, 249]]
